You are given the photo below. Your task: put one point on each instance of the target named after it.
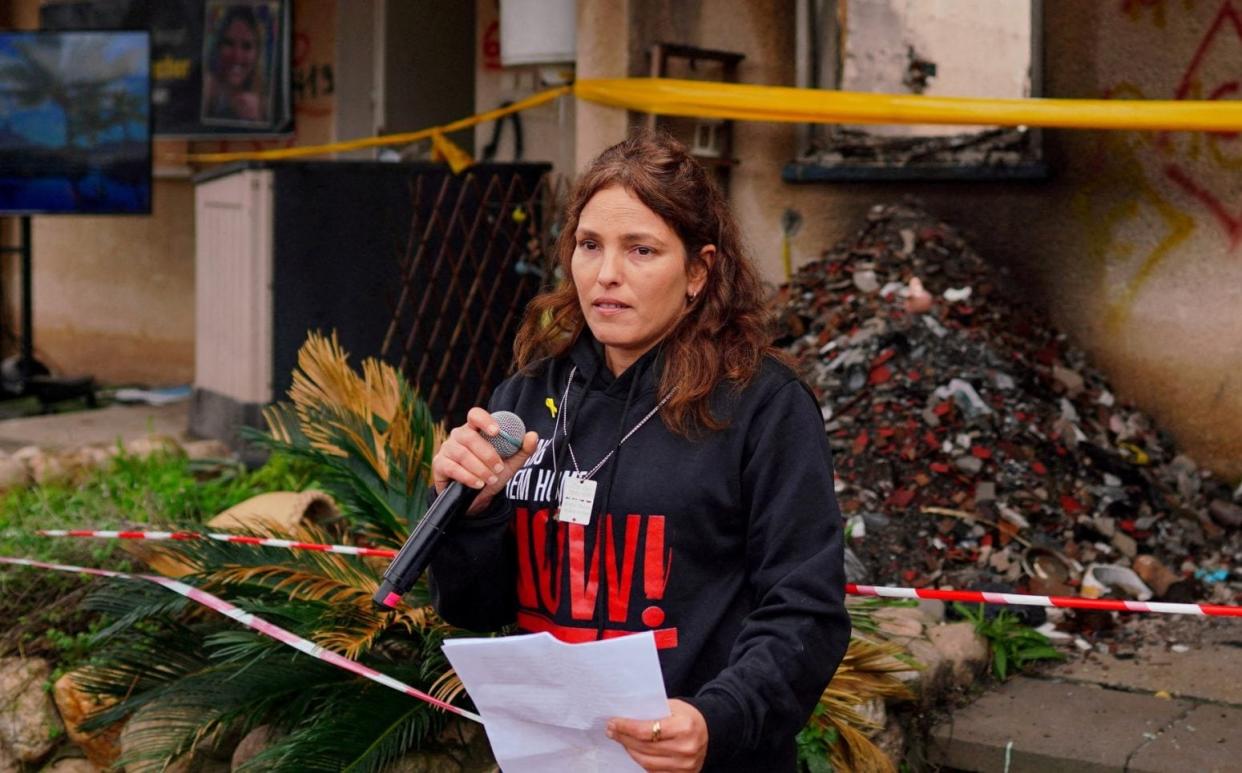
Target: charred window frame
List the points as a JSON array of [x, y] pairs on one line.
[[834, 153]]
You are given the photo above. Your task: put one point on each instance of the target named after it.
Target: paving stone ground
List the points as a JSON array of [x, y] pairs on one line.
[[1215, 652], [106, 425], [1160, 711], [1045, 725]]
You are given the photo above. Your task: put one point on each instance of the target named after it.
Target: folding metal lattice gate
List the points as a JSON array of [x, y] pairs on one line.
[[480, 248]]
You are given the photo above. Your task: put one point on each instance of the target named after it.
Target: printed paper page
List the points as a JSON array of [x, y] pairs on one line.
[[545, 703]]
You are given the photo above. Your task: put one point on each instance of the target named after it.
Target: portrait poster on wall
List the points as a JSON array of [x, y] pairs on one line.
[[218, 67], [239, 65]]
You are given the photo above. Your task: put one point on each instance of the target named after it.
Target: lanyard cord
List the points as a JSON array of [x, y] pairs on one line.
[[556, 470], [565, 431]]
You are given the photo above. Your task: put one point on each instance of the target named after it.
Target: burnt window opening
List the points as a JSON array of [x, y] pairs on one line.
[[961, 48]]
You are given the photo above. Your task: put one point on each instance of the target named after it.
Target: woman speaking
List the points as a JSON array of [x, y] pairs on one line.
[[677, 478]]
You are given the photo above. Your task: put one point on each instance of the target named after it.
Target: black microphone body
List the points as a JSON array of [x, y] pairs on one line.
[[454, 501], [415, 554]]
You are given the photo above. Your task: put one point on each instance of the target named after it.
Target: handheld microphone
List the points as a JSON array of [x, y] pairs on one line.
[[455, 500]]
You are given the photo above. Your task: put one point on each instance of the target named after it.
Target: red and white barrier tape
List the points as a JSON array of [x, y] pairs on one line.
[[979, 597], [1067, 602], [241, 539], [258, 624]]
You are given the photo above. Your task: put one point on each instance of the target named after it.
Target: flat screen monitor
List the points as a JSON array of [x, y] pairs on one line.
[[75, 123]]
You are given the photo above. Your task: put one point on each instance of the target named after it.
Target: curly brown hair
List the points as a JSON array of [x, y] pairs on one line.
[[723, 334]]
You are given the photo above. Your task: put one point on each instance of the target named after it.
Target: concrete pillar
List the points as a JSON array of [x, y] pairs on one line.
[[603, 52]]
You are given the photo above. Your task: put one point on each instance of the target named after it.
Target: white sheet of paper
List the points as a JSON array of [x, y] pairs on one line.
[[545, 703]]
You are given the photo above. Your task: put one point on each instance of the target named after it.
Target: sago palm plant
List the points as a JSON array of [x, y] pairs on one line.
[[185, 678]]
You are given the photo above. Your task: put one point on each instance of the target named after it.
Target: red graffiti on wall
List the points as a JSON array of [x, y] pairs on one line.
[[1197, 82], [490, 47], [1192, 78], [1231, 223]]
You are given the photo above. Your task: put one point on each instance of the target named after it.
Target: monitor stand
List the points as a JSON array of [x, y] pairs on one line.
[[21, 375]]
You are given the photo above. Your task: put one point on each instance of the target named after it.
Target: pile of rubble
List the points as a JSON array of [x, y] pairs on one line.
[[975, 448]]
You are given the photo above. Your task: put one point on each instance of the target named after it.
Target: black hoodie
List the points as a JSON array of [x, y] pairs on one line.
[[727, 545]]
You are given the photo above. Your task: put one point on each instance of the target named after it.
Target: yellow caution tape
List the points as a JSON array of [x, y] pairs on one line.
[[384, 140], [444, 149], [744, 102]]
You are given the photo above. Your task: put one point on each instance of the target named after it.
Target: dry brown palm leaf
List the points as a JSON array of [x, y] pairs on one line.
[[298, 583], [374, 417], [448, 687], [329, 578], [855, 752], [353, 631], [416, 618], [334, 404], [342, 433], [323, 377], [358, 627], [383, 389], [868, 671]]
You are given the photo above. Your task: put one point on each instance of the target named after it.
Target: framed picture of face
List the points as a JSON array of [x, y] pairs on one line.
[[240, 62]]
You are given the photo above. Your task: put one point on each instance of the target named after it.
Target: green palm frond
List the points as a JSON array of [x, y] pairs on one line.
[[239, 680], [333, 590], [377, 511], [126, 602], [190, 677], [365, 730]]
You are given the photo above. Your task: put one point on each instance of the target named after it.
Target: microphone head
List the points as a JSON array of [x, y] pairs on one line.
[[512, 429]]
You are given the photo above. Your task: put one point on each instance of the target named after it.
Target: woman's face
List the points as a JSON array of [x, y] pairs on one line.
[[239, 50], [630, 270]]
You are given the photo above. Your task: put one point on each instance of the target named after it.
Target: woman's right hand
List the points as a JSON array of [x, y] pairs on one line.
[[468, 458]]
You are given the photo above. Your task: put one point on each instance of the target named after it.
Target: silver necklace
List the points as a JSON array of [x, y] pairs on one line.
[[563, 423]]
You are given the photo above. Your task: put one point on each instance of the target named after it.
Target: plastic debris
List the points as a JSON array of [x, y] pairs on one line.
[[996, 452], [1101, 579]]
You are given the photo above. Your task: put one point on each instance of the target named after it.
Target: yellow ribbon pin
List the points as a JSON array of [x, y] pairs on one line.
[[551, 406]]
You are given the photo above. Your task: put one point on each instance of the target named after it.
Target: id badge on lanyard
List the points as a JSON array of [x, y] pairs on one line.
[[578, 495], [577, 500]]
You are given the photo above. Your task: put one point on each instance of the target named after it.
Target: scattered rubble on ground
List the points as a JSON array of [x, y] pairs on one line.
[[975, 448], [29, 723], [32, 465], [1002, 147]]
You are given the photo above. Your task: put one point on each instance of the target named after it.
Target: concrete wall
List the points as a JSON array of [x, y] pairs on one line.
[[1134, 245], [880, 35], [548, 130]]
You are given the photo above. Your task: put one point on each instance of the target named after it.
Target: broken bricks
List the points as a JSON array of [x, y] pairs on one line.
[[941, 395]]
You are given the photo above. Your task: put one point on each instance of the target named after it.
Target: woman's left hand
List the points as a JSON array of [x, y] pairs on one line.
[[681, 743]]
